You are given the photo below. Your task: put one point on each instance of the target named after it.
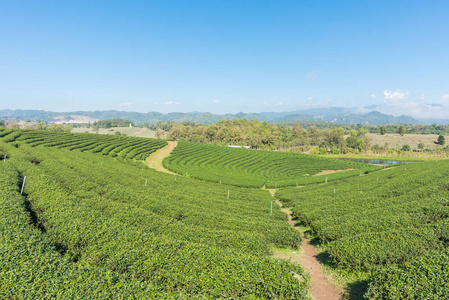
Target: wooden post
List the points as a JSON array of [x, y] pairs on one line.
[[23, 185]]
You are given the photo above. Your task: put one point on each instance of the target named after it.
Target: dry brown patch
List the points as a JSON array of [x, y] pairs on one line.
[[154, 161], [325, 172]]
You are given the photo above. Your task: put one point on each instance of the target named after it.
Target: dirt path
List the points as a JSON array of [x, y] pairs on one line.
[[138, 132], [154, 161], [325, 172], [321, 289]]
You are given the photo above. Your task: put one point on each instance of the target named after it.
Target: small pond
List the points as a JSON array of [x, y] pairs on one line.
[[378, 161]]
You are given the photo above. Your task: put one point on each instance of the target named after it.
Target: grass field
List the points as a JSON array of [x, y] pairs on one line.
[[395, 140], [129, 131]]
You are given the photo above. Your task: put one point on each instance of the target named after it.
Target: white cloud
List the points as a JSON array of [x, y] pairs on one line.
[[217, 101], [393, 96], [414, 109], [279, 104], [167, 103], [310, 99], [373, 96], [444, 99], [265, 103], [124, 104]]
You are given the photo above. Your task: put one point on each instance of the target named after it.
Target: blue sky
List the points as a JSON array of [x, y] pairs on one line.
[[225, 56]]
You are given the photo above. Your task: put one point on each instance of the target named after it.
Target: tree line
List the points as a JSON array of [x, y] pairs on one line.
[[295, 137], [269, 136]]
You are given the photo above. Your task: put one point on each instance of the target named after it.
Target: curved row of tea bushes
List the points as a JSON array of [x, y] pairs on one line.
[[254, 168], [384, 223], [33, 267], [182, 238], [123, 147]]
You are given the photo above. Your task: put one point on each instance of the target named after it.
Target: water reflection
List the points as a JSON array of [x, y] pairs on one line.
[[378, 161]]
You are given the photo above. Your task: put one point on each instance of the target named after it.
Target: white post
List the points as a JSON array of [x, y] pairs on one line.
[[23, 185], [101, 164], [145, 182], [228, 194], [334, 190]]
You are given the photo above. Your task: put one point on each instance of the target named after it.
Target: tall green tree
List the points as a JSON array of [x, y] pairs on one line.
[[441, 140], [382, 130], [402, 130]]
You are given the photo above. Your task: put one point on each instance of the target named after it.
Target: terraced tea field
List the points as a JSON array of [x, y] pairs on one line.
[[96, 226], [253, 168], [392, 224], [115, 146], [94, 222]]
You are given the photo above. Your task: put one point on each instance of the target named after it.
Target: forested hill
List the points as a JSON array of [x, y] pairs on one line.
[[329, 115]]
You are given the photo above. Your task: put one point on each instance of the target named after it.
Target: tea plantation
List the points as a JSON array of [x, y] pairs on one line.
[[92, 226], [254, 168], [93, 222], [392, 224]]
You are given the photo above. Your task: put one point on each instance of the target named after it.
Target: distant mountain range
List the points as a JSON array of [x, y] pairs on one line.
[[338, 115]]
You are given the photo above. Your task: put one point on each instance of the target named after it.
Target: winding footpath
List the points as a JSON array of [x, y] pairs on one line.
[[321, 288], [154, 161]]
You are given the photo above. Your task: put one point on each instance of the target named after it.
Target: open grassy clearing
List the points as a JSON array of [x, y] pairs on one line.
[[395, 140], [129, 131]]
